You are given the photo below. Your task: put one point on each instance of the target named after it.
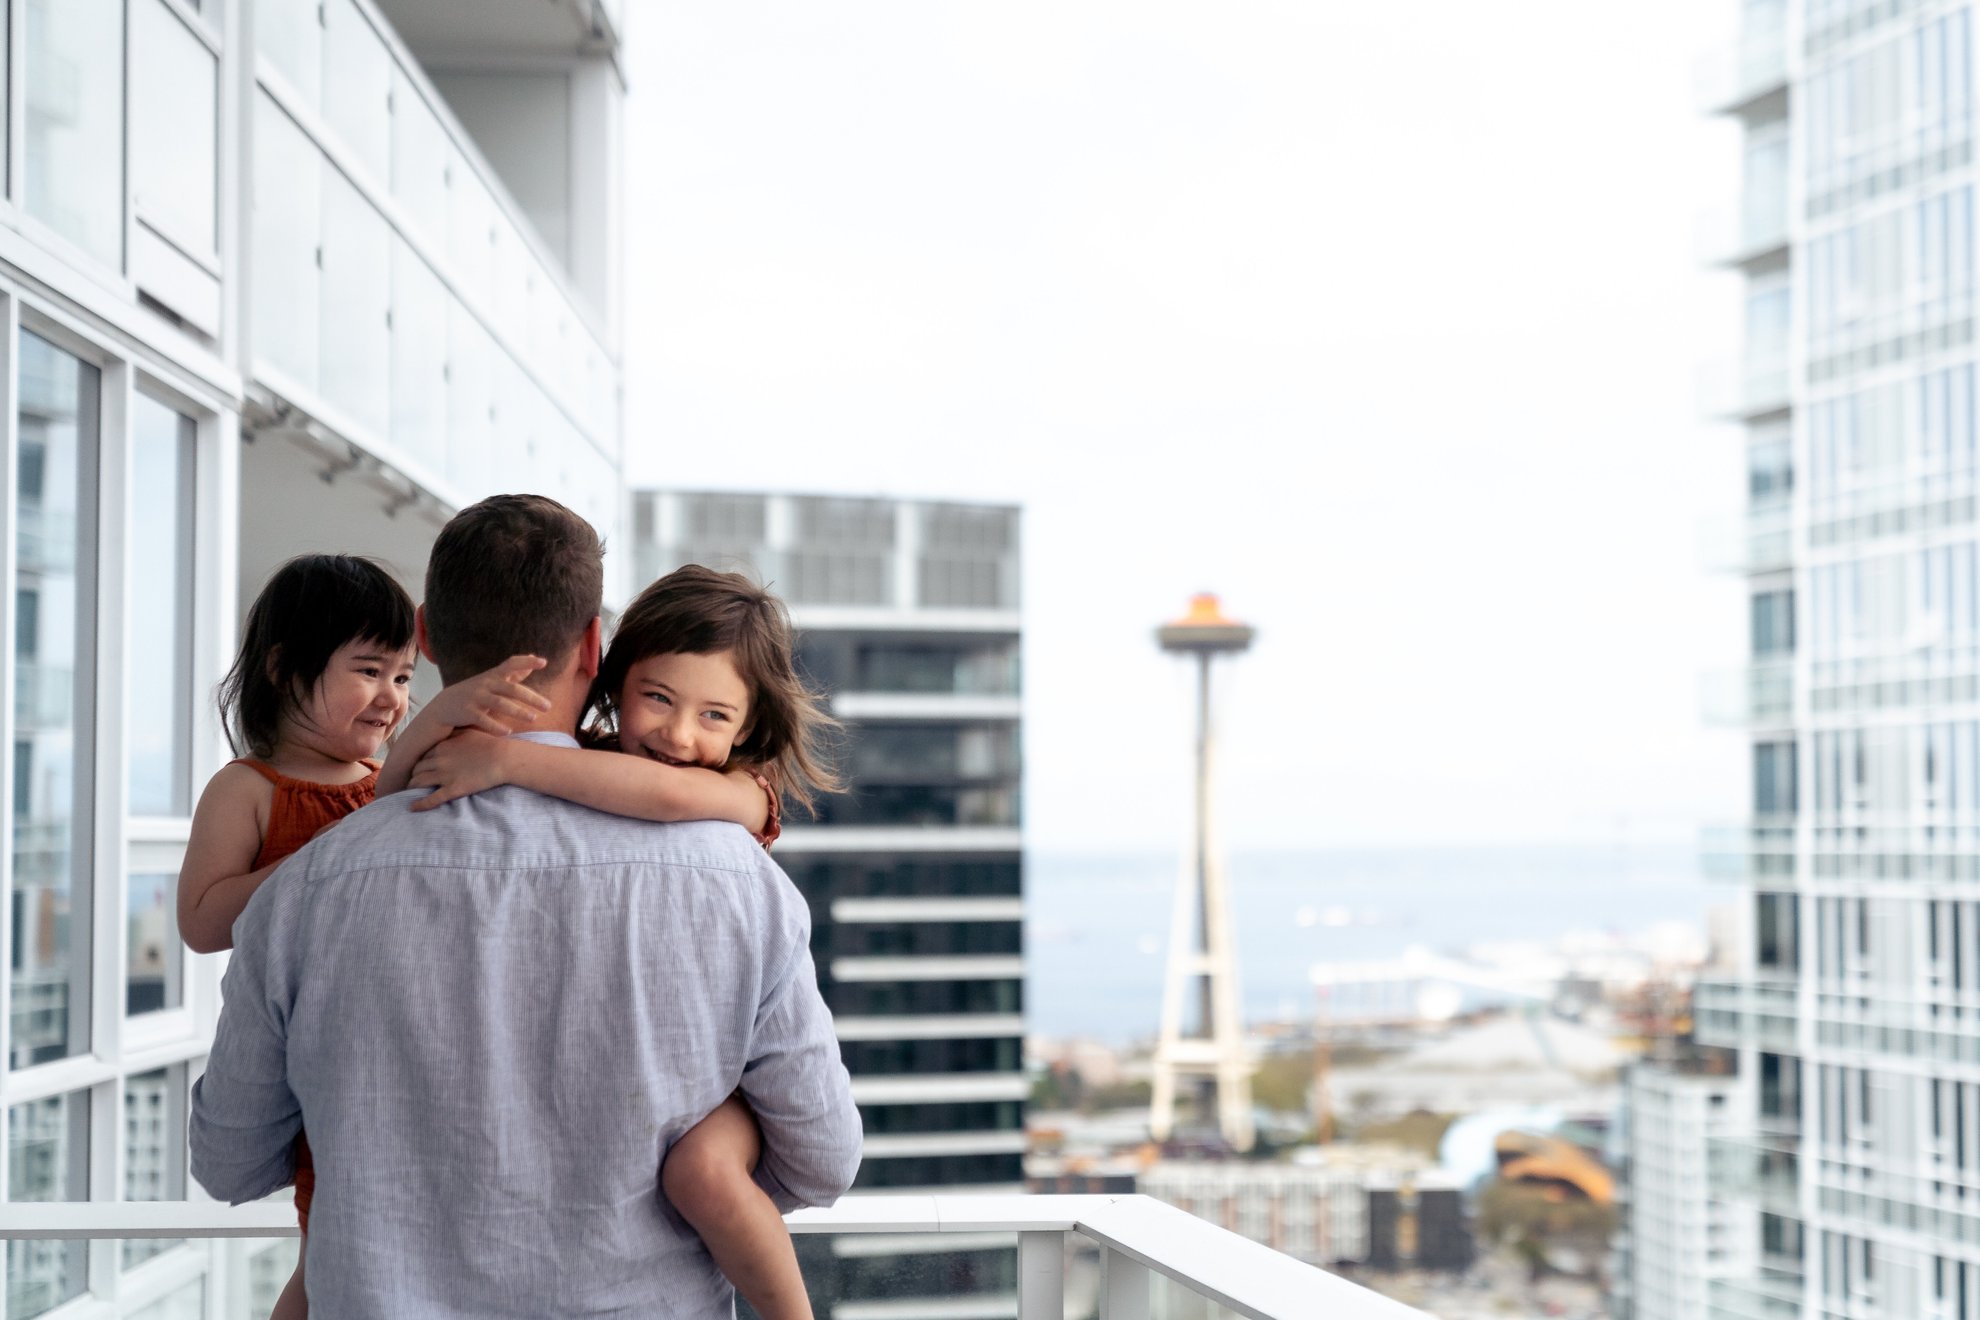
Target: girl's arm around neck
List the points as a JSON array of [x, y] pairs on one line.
[[495, 701], [604, 781], [218, 877]]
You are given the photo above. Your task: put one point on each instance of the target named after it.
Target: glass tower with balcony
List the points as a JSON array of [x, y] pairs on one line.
[[275, 276], [907, 615], [1856, 1015]]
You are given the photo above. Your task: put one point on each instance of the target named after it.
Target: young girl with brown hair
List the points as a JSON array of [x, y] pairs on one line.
[[701, 687]]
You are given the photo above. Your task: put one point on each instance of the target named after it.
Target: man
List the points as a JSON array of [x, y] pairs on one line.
[[495, 1017]]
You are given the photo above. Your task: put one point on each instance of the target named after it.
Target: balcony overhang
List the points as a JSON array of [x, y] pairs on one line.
[[441, 31]]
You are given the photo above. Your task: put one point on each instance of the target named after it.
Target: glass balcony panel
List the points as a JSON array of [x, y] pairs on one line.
[[262, 1270], [419, 359], [50, 956], [943, 1279], [470, 402], [186, 1303], [47, 1160], [291, 37], [286, 240], [75, 122], [161, 602], [357, 88], [175, 128], [420, 152], [472, 216], [357, 301]]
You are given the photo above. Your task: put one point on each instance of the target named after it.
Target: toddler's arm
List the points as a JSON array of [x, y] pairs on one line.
[[470, 762], [217, 878], [496, 701]]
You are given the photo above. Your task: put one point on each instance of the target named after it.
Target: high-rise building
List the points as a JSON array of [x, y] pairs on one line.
[[907, 614], [1677, 1119], [1856, 1016], [275, 276]]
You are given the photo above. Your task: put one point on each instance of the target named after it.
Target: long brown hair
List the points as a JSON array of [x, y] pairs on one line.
[[698, 611]]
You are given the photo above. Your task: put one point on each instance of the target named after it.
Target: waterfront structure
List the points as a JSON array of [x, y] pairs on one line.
[[275, 276], [1202, 949], [1854, 1014], [1679, 1236], [907, 618]]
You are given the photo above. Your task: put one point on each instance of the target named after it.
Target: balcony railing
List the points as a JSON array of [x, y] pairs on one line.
[[1729, 1014], [1752, 541], [1735, 80], [1761, 693], [1744, 389], [1139, 1241], [1759, 848]]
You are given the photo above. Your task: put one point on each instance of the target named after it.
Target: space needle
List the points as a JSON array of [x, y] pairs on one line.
[[1202, 955]]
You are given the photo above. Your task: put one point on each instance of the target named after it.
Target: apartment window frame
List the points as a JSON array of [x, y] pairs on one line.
[[117, 1046]]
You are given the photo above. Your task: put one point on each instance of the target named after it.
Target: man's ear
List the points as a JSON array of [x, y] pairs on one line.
[[419, 633], [591, 649]]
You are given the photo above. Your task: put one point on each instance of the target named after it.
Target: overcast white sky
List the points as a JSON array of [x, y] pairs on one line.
[[1380, 320]]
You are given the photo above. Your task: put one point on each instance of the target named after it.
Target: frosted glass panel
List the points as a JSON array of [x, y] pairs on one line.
[[174, 128], [419, 161], [291, 37], [419, 359], [288, 219], [75, 122], [357, 274], [471, 400], [357, 88]]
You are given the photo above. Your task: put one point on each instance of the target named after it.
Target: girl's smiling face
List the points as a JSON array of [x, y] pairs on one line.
[[357, 703], [684, 709]]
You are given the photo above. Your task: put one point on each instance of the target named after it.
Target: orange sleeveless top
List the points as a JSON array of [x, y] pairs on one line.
[[303, 807]]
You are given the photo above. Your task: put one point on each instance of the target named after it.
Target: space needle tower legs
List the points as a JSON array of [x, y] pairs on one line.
[[1201, 950]]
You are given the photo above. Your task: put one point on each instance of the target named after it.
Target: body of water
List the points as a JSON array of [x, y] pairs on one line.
[[1097, 926]]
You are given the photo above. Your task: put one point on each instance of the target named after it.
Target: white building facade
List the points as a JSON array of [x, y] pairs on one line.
[[276, 276], [1681, 1237], [907, 615], [1857, 1019]]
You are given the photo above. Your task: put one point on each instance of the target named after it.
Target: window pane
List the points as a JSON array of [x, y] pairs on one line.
[[75, 122], [49, 959], [154, 1148], [47, 1160], [155, 975], [161, 611]]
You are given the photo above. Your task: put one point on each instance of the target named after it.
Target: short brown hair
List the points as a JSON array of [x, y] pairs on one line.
[[698, 611], [512, 575]]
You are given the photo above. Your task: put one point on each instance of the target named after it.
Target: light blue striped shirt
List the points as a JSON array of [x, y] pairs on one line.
[[493, 1019]]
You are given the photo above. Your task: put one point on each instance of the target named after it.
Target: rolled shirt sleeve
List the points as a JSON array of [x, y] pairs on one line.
[[795, 1081], [244, 1116]]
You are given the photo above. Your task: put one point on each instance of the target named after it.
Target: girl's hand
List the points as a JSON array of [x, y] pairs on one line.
[[469, 762], [494, 702]]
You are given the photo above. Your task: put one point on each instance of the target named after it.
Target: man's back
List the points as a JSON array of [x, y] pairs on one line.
[[496, 1017]]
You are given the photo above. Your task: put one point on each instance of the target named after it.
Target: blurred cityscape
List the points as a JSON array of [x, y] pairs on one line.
[[281, 276]]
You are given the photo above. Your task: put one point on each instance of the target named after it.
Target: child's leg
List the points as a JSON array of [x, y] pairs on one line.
[[293, 1304], [707, 1177]]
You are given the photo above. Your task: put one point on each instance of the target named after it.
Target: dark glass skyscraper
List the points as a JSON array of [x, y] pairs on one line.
[[908, 620]]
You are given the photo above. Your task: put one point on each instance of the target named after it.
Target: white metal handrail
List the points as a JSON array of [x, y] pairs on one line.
[[1138, 1237]]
